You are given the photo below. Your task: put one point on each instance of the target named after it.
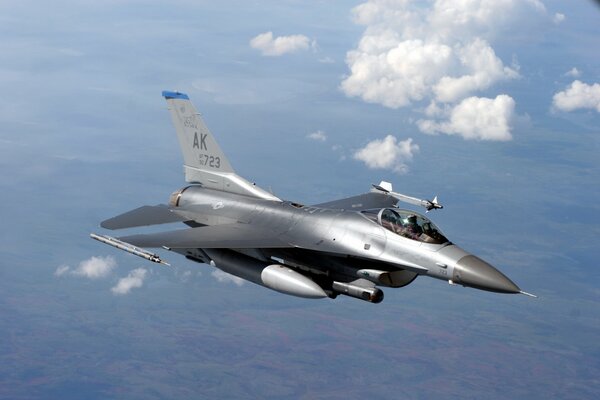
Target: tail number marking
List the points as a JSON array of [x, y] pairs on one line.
[[211, 161], [190, 122]]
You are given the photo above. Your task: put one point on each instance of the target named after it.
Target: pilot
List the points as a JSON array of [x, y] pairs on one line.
[[389, 220], [397, 226], [411, 226]]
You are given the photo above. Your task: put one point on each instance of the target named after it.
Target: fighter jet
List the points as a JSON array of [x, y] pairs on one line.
[[352, 246]]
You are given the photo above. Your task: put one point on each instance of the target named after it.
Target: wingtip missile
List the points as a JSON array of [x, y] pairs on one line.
[[381, 188], [129, 248], [429, 205], [433, 204]]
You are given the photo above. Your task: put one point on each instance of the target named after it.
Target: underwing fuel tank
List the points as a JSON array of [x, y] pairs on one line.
[[273, 276]]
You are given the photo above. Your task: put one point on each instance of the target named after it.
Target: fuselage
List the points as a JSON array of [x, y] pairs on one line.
[[340, 244], [348, 246]]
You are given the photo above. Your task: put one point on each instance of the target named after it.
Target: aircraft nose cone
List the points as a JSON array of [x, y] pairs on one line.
[[474, 272]]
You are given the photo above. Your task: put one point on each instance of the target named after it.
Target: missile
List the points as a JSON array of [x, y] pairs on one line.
[[136, 251], [427, 204]]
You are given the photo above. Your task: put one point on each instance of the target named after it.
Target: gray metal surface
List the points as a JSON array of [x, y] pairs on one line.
[[204, 161], [474, 272], [361, 202], [347, 246], [273, 276], [214, 237], [143, 216]]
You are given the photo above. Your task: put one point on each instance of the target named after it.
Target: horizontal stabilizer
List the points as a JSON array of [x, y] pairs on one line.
[[361, 202], [143, 216], [209, 237]]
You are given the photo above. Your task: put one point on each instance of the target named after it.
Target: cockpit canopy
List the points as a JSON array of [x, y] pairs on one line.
[[407, 224]]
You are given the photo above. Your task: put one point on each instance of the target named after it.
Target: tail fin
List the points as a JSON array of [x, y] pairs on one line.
[[203, 160]]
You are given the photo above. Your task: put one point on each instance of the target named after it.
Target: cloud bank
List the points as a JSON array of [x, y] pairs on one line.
[[275, 47], [437, 52], [577, 96], [387, 153], [476, 118], [134, 279]]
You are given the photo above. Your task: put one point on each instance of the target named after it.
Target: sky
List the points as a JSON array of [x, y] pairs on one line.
[[492, 106]]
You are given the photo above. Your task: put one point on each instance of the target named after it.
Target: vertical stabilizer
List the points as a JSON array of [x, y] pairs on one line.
[[203, 160]]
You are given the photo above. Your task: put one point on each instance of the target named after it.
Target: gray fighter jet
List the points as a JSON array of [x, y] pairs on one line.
[[351, 246]]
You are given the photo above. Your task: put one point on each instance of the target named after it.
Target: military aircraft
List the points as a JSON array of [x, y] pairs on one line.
[[352, 246]]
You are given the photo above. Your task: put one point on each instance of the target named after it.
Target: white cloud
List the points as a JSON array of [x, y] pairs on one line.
[[573, 72], [439, 49], [577, 96], [484, 69], [440, 52], [60, 271], [387, 153], [134, 279], [224, 277], [394, 74], [475, 118], [94, 267], [280, 45], [558, 18], [317, 135]]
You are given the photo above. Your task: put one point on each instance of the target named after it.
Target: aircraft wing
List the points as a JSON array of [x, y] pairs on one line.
[[143, 216], [228, 236], [361, 202]]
